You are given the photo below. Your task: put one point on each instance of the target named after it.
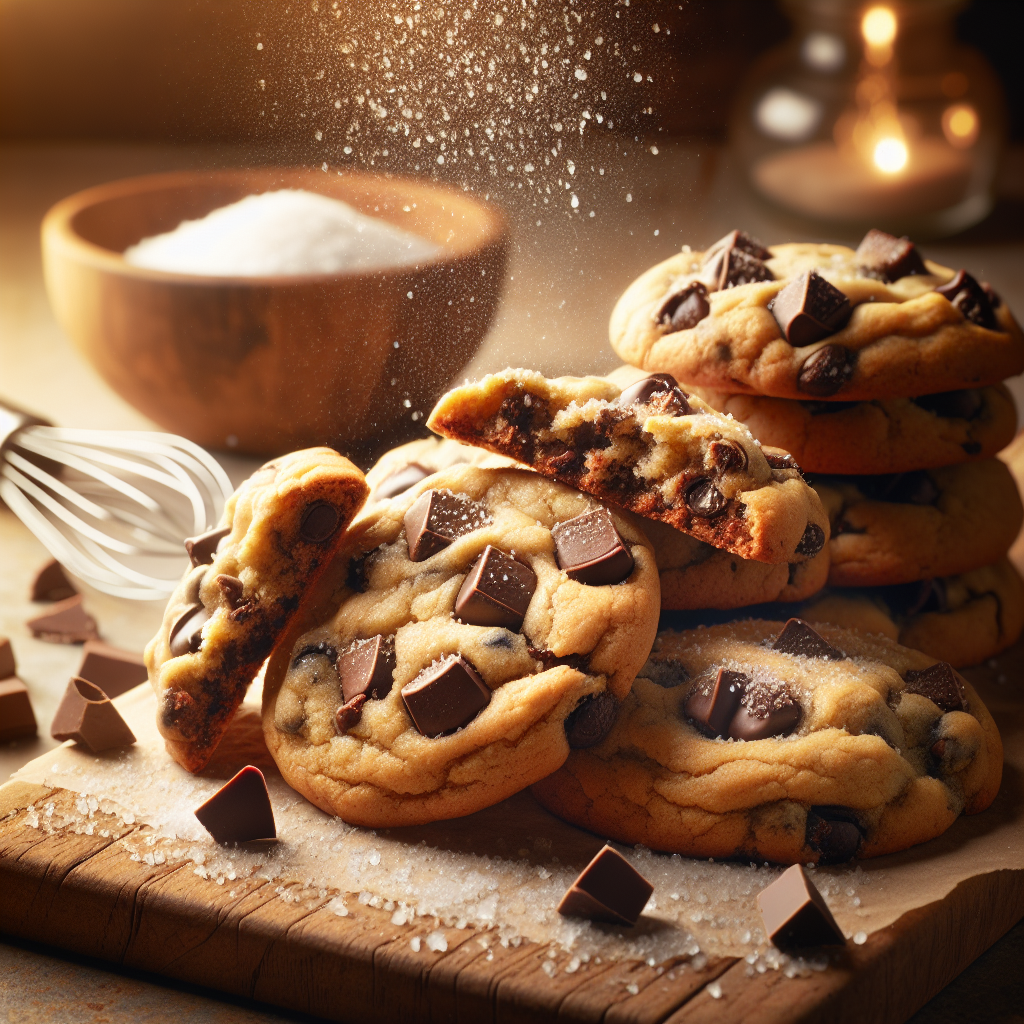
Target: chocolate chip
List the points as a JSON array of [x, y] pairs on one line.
[[767, 709], [794, 913], [803, 640], [439, 517], [590, 549], [231, 587], [834, 833], [367, 667], [86, 716], [954, 405], [684, 308], [660, 389], [711, 707], [914, 488], [113, 670], [16, 718], [731, 266], [809, 309], [888, 256], [7, 664], [349, 714], [825, 371], [203, 549], [608, 889], [742, 241], [779, 458], [66, 622], [240, 810], [319, 522], [187, 633], [812, 541], [969, 297], [591, 720], [496, 591], [401, 480], [445, 696], [728, 456], [940, 684], [318, 650], [703, 498], [51, 584]]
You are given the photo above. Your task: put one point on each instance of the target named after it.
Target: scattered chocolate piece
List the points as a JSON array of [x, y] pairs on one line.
[[66, 622], [496, 591], [914, 488], [608, 889], [803, 640], [590, 549], [703, 498], [888, 256], [809, 309], [970, 298], [685, 308], [732, 266], [187, 633], [7, 663], [231, 587], [794, 913], [779, 458], [824, 372], [712, 708], [591, 720], [812, 541], [51, 584], [940, 684], [765, 711], [319, 522], [202, 549], [833, 833], [659, 389], [16, 718], [401, 480], [437, 518], [742, 241], [727, 455], [955, 405], [240, 810], [367, 668], [349, 713], [113, 670], [87, 716], [445, 696]]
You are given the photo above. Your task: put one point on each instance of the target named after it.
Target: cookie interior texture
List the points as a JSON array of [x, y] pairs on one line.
[[576, 642], [871, 767]]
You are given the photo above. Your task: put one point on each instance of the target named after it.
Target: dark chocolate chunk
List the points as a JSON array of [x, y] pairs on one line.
[[496, 591], [319, 522], [661, 390], [113, 670], [66, 622], [445, 696], [368, 667], [794, 913], [731, 266], [824, 372], [7, 664], [51, 584], [742, 241], [16, 718], [779, 458], [231, 587], [187, 633], [400, 481], [349, 713], [590, 549], [703, 498], [728, 456], [908, 599], [954, 405], [437, 518], [834, 833], [970, 298], [809, 309], [712, 707], [591, 720], [940, 684], [86, 716], [803, 640], [812, 541], [608, 889], [764, 712], [888, 256], [913, 488], [202, 549], [684, 308], [240, 810]]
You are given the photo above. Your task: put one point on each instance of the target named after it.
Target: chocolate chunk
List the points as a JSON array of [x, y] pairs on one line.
[[809, 309], [240, 810], [65, 623], [991, 294], [888, 256], [496, 591], [684, 308], [439, 517], [51, 584], [113, 670], [401, 480], [824, 372], [731, 266], [703, 498], [231, 587], [319, 522], [445, 696], [779, 458], [969, 297], [367, 667], [834, 833], [812, 541], [940, 684], [954, 405], [349, 713], [711, 708], [203, 549], [913, 488], [86, 716], [187, 633], [7, 664], [590, 549], [608, 889], [728, 456], [591, 720], [766, 709], [661, 390], [794, 913], [908, 599], [742, 241], [804, 641], [16, 718]]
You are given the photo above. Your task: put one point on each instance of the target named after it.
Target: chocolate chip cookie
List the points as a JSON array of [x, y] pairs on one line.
[[472, 630], [766, 741], [650, 448], [816, 321], [278, 532]]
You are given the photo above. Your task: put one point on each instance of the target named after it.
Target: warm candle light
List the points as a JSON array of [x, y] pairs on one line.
[[960, 125], [890, 155], [878, 26]]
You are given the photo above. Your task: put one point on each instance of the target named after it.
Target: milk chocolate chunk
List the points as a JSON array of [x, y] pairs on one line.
[[51, 584], [187, 633], [608, 889], [496, 592], [661, 390], [731, 266], [888, 256], [367, 668], [231, 587], [940, 684], [703, 498], [803, 640], [812, 541], [684, 308], [742, 241], [202, 549], [86, 716], [779, 458], [65, 623], [728, 456], [712, 708], [112, 669], [7, 664], [824, 372], [591, 720], [445, 696], [319, 522], [437, 518], [765, 711], [833, 833], [809, 309], [401, 480], [349, 713], [794, 913], [590, 549], [240, 810], [16, 718], [954, 405], [970, 298]]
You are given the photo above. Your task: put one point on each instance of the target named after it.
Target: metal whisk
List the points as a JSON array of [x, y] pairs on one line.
[[113, 507]]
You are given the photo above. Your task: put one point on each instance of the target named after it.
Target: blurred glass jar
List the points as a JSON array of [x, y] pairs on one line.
[[873, 115]]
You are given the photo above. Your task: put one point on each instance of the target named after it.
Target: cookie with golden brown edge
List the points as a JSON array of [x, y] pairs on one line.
[[652, 449], [277, 533], [817, 322], [777, 742], [471, 630]]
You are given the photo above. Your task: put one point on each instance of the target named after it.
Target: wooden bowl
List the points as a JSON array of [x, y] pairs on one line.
[[264, 365]]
